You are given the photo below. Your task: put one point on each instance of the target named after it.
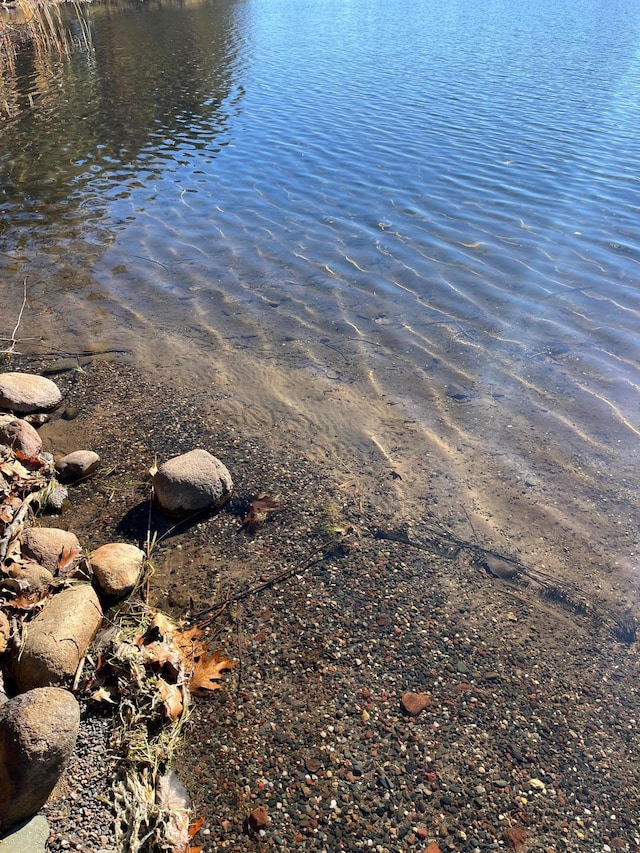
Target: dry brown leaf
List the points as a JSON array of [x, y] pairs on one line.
[[163, 654], [172, 699], [208, 671], [68, 556], [191, 643], [162, 624], [259, 508], [26, 601], [9, 508], [194, 828]]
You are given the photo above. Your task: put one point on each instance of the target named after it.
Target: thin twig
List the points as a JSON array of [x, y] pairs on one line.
[[13, 341]]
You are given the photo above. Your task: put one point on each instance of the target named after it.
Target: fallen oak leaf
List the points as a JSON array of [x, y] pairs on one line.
[[208, 671]]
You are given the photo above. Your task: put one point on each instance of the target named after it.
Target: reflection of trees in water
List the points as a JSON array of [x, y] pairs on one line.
[[94, 124]]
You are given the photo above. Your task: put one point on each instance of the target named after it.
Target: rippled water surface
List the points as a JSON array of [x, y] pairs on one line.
[[405, 234]]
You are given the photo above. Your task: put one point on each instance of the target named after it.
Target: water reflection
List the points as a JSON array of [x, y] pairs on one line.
[[102, 122], [408, 238]]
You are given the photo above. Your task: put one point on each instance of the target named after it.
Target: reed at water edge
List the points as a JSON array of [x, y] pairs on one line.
[[39, 24]]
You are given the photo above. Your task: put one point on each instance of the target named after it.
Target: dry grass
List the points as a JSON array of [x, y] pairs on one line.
[[42, 25]]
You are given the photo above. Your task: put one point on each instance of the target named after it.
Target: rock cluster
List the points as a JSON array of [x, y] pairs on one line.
[[52, 594]]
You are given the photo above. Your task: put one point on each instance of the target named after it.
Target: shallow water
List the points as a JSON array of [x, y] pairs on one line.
[[403, 234]]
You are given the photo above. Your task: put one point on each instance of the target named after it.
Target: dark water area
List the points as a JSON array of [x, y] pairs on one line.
[[406, 234]]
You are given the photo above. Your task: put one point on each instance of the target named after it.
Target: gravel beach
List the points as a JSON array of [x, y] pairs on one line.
[[528, 734]]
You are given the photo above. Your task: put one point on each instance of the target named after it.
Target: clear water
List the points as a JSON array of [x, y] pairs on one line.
[[403, 234]]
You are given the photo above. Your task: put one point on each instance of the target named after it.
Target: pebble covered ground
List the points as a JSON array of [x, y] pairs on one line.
[[528, 738]]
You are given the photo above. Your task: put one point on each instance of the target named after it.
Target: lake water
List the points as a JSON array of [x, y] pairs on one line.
[[403, 235]]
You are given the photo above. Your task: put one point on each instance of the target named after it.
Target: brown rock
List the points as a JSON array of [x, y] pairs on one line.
[[258, 819], [38, 732], [514, 837], [51, 547], [26, 392], [19, 435], [414, 703], [57, 638], [116, 568]]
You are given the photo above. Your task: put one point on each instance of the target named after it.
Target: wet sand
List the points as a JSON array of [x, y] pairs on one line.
[[532, 721]]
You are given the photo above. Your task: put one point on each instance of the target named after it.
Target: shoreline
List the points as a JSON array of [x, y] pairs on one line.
[[532, 707]]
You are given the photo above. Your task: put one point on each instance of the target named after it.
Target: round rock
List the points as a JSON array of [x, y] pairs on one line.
[[52, 547], [116, 568], [193, 481], [38, 732], [76, 465], [27, 392], [19, 435]]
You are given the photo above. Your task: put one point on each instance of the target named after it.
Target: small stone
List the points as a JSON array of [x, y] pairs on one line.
[[28, 577], [57, 499], [76, 465], [117, 568], [27, 392], [19, 435], [537, 784], [258, 819], [414, 703], [70, 413]]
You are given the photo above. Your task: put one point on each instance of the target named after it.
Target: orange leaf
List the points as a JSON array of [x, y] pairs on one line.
[[68, 556], [207, 671], [195, 827]]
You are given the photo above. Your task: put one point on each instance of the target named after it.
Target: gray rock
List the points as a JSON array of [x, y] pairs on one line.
[[27, 392], [19, 435], [57, 639], [48, 545], [29, 837], [116, 568], [38, 732], [193, 481], [76, 465]]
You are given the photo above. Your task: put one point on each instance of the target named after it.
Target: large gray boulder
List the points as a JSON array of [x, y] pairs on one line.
[[38, 732], [20, 435], [27, 392], [56, 640], [191, 482]]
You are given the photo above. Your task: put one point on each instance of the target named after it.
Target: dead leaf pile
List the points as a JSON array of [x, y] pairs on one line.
[[23, 484], [149, 668]]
